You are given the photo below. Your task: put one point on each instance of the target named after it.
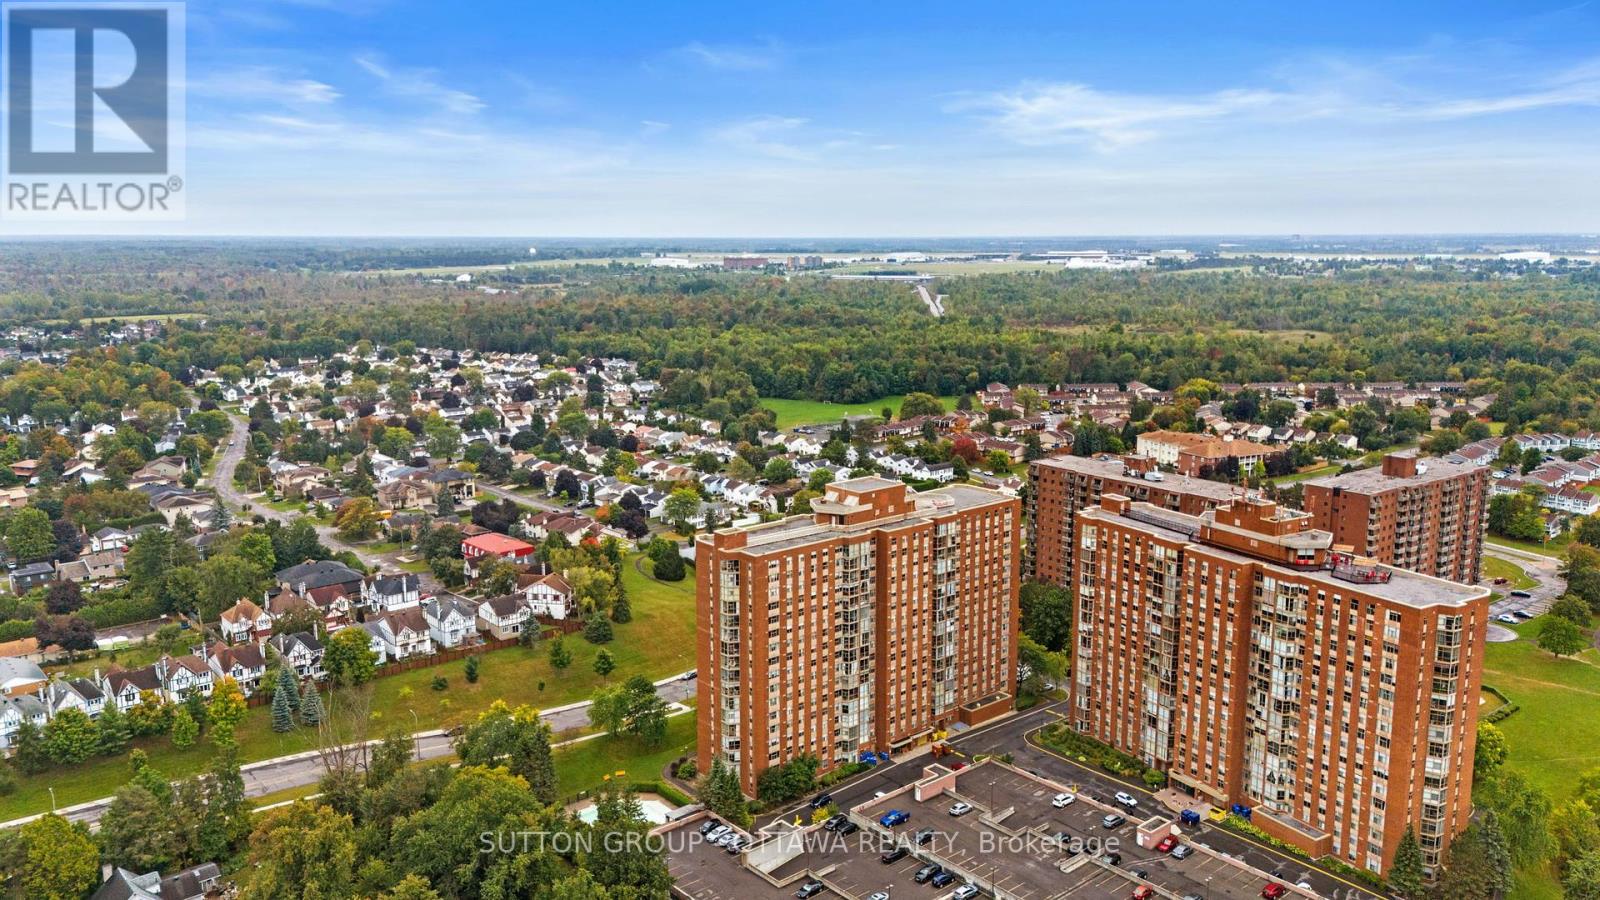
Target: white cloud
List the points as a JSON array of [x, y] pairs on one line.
[[420, 84], [1039, 113], [764, 135], [265, 84], [733, 58]]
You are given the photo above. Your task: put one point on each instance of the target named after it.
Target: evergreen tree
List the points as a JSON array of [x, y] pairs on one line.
[[282, 714], [597, 630], [560, 656], [1405, 873], [221, 518], [31, 757], [721, 794], [539, 767], [446, 506], [604, 663], [114, 730], [311, 705], [470, 670], [286, 686], [228, 814], [621, 610]]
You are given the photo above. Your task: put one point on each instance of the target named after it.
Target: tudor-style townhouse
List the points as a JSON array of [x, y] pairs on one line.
[[128, 687], [185, 675], [398, 635], [451, 622], [81, 694], [13, 712], [245, 664], [244, 622], [387, 593], [302, 650], [503, 617], [549, 596]]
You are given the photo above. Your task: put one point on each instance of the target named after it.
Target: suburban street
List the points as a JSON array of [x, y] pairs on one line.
[[301, 769], [221, 481]]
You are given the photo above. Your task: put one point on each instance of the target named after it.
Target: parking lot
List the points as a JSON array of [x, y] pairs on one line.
[[1014, 843], [1009, 842]]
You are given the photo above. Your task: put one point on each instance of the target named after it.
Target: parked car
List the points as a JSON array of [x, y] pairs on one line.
[[1522, 614], [1061, 801], [1143, 892], [1127, 799], [960, 809], [849, 828], [1112, 820], [727, 839], [1166, 844], [894, 817], [737, 844], [926, 872], [707, 826], [1273, 891], [1113, 858], [894, 856], [878, 895], [821, 800], [1182, 851], [942, 879], [809, 889], [1067, 843], [1507, 618], [924, 836], [835, 821], [965, 892], [689, 675], [1523, 594], [717, 833]]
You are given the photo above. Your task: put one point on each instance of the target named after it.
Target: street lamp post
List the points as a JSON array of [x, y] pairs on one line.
[[416, 737], [52, 791]]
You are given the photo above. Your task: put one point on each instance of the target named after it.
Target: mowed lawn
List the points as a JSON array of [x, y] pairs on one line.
[[658, 642], [584, 767], [1516, 578], [817, 412], [1555, 733]]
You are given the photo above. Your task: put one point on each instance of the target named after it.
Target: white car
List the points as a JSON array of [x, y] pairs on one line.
[[1507, 618], [717, 833], [1061, 801], [960, 809], [1127, 799], [965, 892]]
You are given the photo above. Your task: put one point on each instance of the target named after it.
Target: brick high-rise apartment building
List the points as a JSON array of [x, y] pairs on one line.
[[1426, 515], [867, 625], [1238, 653], [1060, 486]]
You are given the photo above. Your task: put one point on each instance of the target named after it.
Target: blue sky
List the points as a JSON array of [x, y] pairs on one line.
[[880, 118]]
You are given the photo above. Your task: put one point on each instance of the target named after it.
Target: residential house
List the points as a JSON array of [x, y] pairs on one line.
[[321, 580], [244, 663], [185, 675], [548, 596], [16, 710], [192, 883], [451, 622], [400, 634], [475, 550], [245, 622], [503, 617], [386, 593], [301, 650], [26, 578], [128, 687], [81, 694]]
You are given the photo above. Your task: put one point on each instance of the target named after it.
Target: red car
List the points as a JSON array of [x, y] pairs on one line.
[[1143, 892], [1273, 891], [1167, 843]]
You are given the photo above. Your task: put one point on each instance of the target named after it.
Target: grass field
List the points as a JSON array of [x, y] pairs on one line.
[[1315, 472], [1555, 734], [815, 412], [950, 268], [583, 767], [1553, 547], [659, 641], [1517, 579]]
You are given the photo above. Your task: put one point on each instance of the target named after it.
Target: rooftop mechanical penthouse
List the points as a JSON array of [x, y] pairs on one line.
[[1256, 663], [868, 625]]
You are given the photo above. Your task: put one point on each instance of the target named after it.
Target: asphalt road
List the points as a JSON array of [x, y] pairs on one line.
[[1544, 569], [301, 769]]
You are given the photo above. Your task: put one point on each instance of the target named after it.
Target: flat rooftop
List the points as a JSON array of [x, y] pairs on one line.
[[1404, 587], [1112, 467], [1371, 480], [800, 530]]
